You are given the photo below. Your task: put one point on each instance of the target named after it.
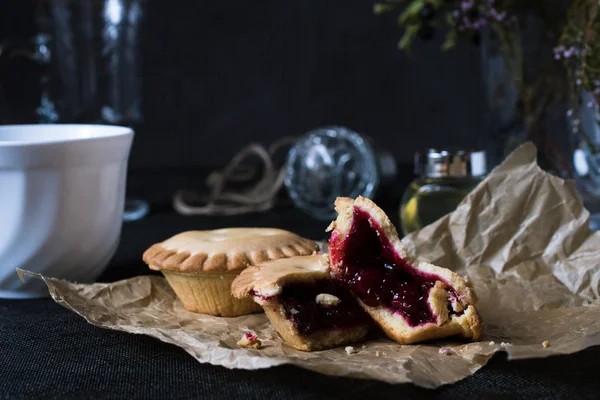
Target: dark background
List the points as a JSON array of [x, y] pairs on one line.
[[219, 75]]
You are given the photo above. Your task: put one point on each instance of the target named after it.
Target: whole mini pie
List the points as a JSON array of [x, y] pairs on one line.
[[201, 265], [410, 300], [309, 310]]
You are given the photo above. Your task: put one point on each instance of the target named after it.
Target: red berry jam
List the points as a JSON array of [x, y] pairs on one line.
[[377, 275], [300, 306]]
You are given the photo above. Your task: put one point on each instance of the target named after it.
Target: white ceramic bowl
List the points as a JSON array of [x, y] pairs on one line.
[[62, 193]]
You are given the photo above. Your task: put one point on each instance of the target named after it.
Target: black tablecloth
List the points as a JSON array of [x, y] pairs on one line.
[[49, 352]]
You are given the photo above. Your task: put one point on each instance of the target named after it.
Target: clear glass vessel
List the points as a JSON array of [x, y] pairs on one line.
[[444, 179], [327, 163]]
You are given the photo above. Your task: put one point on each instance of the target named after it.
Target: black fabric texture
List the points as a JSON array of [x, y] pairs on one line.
[[48, 352]]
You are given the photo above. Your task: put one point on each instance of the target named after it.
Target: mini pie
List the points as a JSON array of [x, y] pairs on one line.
[[201, 265], [309, 310], [411, 300]]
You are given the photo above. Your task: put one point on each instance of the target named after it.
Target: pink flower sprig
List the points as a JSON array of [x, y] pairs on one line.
[[474, 15], [565, 53]]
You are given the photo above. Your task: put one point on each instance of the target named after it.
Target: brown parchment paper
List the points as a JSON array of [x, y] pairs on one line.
[[521, 236]]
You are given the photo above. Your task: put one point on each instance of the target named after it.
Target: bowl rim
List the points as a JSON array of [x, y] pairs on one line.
[[98, 132]]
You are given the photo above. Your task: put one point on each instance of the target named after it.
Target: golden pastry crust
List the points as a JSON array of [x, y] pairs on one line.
[[467, 326], [231, 249], [268, 279], [209, 293], [319, 340], [465, 322]]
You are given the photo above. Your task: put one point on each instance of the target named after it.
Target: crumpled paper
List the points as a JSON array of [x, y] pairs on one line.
[[521, 236]]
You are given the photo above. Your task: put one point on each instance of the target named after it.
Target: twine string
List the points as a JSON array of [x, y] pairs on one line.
[[264, 180]]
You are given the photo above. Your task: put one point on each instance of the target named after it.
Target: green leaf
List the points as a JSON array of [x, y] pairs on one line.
[[451, 40], [409, 36], [411, 12], [382, 8], [449, 19]]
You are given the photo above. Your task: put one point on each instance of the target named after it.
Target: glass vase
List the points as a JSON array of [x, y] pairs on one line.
[[505, 120]]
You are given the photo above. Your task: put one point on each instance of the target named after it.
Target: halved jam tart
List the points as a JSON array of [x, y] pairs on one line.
[[411, 300], [309, 310]]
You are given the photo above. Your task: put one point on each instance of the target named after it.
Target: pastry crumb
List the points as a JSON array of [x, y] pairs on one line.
[[377, 353], [505, 344], [250, 340], [546, 344], [491, 343], [363, 347], [446, 350], [293, 311], [350, 350], [327, 299]]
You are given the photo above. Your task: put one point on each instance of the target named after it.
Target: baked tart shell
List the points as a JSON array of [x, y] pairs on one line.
[[200, 266]]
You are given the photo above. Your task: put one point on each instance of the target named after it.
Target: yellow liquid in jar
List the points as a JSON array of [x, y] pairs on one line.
[[428, 199]]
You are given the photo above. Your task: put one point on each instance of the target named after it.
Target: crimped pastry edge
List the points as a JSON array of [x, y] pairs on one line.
[[161, 258]]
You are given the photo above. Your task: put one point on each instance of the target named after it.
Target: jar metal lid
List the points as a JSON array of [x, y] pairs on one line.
[[434, 163]]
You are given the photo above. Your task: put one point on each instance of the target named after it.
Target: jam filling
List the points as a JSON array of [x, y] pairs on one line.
[[299, 304], [377, 275]]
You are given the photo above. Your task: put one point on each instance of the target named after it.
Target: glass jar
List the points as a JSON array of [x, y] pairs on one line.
[[444, 179], [331, 162]]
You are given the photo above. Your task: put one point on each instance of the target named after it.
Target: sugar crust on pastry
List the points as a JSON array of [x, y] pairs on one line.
[[268, 279], [230, 249]]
